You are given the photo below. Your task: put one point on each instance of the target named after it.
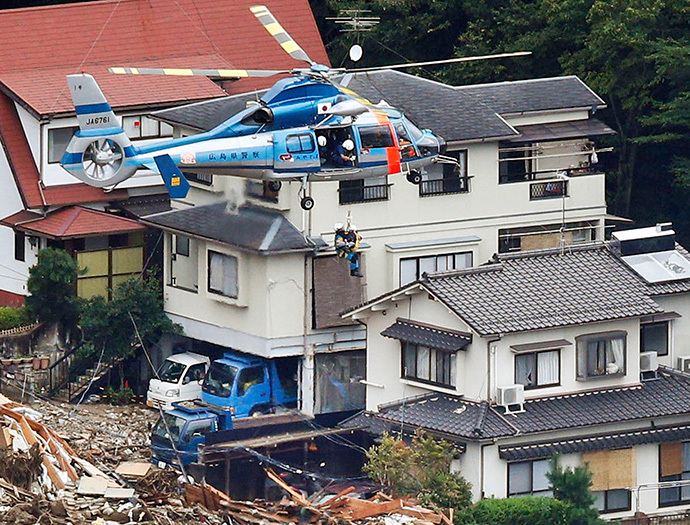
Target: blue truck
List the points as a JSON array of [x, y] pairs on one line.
[[249, 386], [179, 433], [236, 386]]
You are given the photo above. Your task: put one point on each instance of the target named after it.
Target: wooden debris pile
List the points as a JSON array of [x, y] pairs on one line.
[[338, 509]]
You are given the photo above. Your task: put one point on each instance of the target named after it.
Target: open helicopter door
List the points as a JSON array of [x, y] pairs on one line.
[[378, 147], [295, 151]]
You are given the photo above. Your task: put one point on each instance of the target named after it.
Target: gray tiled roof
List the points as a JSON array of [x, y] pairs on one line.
[[249, 228], [439, 414], [454, 115], [669, 395], [534, 95], [538, 290], [428, 335], [546, 449]]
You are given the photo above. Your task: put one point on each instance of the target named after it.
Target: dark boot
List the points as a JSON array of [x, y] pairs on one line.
[[356, 273]]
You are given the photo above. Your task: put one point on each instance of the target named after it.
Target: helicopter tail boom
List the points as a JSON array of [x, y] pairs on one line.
[[100, 153]]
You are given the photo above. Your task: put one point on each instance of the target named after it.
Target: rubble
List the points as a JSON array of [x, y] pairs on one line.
[[63, 466]]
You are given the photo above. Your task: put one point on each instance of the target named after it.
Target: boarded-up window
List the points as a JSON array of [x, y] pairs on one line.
[[671, 458], [334, 291], [612, 469]]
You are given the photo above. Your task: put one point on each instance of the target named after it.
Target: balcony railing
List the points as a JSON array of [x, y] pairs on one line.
[[363, 194], [444, 186], [548, 190]]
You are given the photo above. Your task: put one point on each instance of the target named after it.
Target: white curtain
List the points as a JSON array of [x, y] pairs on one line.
[[616, 358], [547, 367]]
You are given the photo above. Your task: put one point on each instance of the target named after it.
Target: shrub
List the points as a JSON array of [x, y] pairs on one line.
[[420, 469], [13, 317], [529, 510]]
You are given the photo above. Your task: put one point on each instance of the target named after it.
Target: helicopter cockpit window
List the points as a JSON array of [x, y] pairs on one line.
[[406, 148], [303, 143], [414, 130], [376, 137]]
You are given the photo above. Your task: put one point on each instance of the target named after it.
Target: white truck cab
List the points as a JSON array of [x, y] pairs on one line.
[[179, 379]]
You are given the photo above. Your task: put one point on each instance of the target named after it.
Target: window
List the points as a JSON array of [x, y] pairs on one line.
[[412, 268], [612, 500], [182, 245], [674, 465], [19, 246], [222, 274], [58, 138], [514, 162], [141, 127], [600, 355], [446, 178], [376, 137], [538, 369], [428, 364], [545, 236], [248, 378], [529, 478], [363, 190], [195, 373], [302, 143], [654, 337], [199, 428]]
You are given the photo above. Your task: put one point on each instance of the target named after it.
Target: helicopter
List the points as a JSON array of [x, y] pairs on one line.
[[305, 128]]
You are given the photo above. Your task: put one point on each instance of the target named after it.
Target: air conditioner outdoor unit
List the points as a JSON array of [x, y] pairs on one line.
[[512, 398], [684, 363], [649, 362]]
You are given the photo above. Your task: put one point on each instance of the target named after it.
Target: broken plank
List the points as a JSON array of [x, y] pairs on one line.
[[53, 473], [137, 469], [376, 509], [287, 488], [329, 503]]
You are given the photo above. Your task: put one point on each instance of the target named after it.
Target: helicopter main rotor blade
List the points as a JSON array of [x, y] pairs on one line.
[[274, 28], [185, 72], [446, 61]]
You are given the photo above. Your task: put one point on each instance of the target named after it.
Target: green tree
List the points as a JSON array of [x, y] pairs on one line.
[[420, 468], [572, 485], [528, 510], [111, 327], [52, 286]]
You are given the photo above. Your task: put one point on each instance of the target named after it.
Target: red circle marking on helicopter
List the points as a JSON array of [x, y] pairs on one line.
[[287, 157]]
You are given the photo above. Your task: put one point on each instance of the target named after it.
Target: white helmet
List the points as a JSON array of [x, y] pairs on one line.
[[322, 140], [348, 144], [338, 226], [353, 228]]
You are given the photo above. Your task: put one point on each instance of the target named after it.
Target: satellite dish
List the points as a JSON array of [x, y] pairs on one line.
[[356, 52]]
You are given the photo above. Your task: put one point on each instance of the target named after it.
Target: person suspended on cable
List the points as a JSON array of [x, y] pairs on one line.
[[347, 245]]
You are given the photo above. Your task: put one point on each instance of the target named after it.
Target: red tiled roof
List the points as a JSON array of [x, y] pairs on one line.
[[42, 44], [26, 174], [74, 221]]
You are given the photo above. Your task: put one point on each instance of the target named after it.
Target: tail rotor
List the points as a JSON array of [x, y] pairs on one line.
[[100, 153]]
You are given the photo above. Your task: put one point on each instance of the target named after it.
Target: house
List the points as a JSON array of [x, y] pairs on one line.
[[527, 178], [572, 351], [42, 205]]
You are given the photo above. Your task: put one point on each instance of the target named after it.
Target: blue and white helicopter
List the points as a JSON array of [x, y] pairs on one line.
[[290, 135]]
